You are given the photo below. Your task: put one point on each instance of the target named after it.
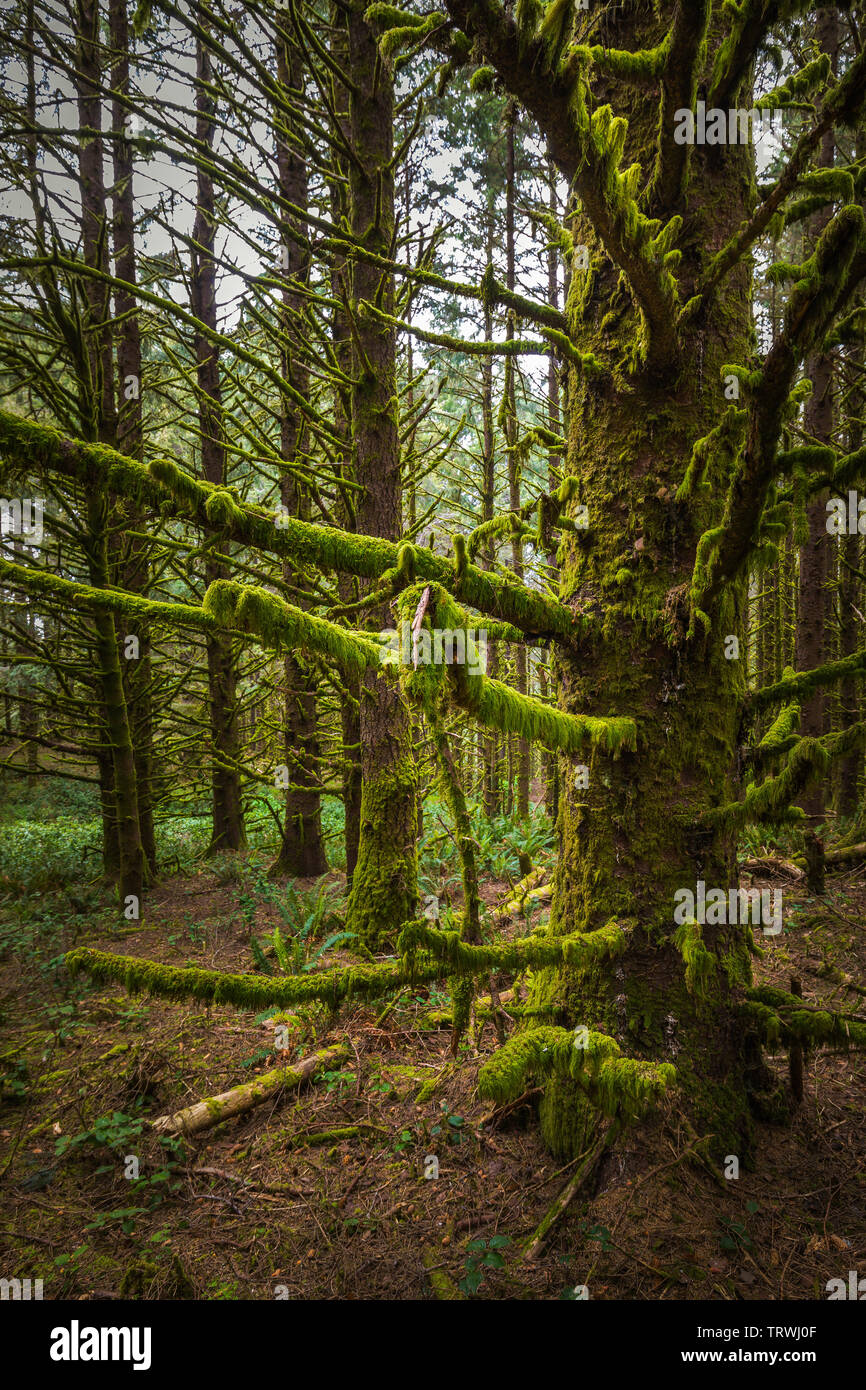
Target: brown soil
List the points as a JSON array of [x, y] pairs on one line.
[[250, 1212]]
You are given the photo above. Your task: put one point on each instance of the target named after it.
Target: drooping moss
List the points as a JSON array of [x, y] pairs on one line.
[[699, 962], [618, 1086], [253, 992]]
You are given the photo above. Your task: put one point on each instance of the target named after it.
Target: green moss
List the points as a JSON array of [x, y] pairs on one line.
[[699, 962], [385, 882], [605, 943], [618, 1086], [252, 992]]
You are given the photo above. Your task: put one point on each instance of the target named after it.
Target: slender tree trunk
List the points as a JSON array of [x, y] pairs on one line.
[[228, 823], [384, 888], [520, 749], [302, 852], [133, 557], [492, 743], [554, 420], [811, 616], [118, 790]]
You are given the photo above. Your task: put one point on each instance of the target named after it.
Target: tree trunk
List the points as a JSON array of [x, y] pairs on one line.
[[302, 852], [635, 840], [132, 561], [384, 888], [118, 789], [228, 824]]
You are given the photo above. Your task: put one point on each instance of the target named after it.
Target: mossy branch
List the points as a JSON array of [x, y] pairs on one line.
[[841, 107], [783, 1020], [828, 276], [463, 958], [253, 992], [323, 547]]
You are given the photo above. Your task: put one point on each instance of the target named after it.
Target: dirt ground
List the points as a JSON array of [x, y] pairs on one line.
[[261, 1207]]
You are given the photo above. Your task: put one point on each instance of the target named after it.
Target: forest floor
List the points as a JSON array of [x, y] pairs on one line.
[[251, 1209]]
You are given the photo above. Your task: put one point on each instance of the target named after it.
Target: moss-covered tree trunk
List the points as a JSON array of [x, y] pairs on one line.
[[634, 837], [227, 810], [302, 852], [132, 552], [384, 888]]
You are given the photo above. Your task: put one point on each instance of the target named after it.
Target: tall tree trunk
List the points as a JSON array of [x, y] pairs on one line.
[[118, 790], [492, 742], [384, 889], [350, 706], [133, 557], [302, 852], [554, 420], [811, 613], [626, 852], [228, 823], [520, 750]]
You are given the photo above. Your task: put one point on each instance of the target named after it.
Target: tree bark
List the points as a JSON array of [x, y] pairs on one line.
[[384, 888]]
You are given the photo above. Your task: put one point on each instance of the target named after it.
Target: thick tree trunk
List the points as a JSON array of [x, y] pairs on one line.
[[630, 842]]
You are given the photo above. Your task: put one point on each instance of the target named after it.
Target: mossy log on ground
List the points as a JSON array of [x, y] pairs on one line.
[[844, 853], [215, 1109]]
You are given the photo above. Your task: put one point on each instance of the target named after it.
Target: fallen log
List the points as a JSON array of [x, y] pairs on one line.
[[519, 893], [206, 1113], [843, 853], [769, 865]]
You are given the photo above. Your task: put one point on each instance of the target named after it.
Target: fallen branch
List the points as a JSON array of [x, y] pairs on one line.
[[206, 1113], [578, 1180], [767, 866]]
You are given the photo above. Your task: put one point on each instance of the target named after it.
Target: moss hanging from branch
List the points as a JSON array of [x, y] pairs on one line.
[[620, 1087], [699, 962], [769, 802], [306, 544], [246, 991], [782, 1020]]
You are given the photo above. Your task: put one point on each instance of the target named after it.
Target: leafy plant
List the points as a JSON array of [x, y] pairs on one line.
[[482, 1255], [305, 916]]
